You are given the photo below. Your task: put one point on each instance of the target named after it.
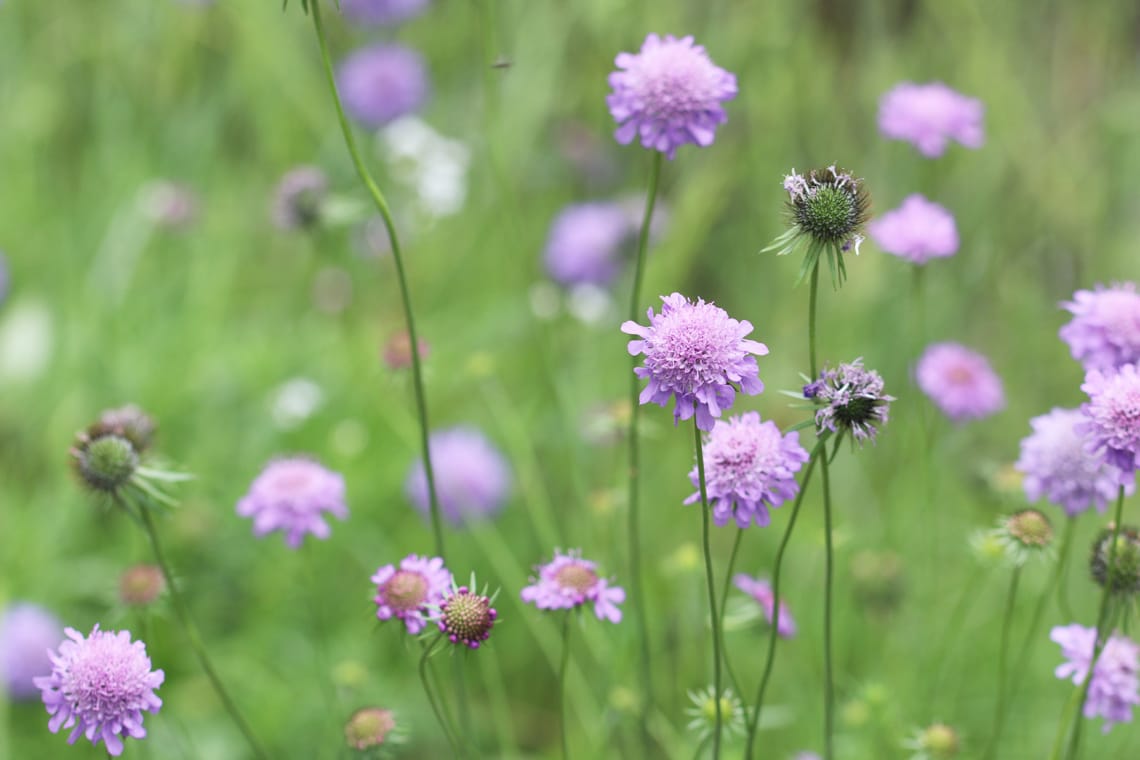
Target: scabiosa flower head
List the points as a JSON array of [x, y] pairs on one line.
[[100, 684], [830, 205], [668, 94], [291, 495], [917, 231], [370, 727], [382, 12], [1124, 579], [937, 741], [702, 712], [585, 243], [1105, 330], [929, 116], [851, 399], [959, 381], [140, 585], [407, 592], [568, 581], [298, 197], [27, 632], [1024, 535], [382, 82], [749, 466], [472, 479], [129, 422], [1058, 465], [1113, 417], [1115, 687], [696, 354], [760, 589], [104, 461], [466, 616]]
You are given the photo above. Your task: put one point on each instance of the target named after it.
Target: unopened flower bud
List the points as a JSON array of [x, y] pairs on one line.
[[1124, 578], [105, 463]]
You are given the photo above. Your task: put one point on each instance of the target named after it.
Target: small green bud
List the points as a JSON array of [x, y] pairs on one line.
[[105, 463]]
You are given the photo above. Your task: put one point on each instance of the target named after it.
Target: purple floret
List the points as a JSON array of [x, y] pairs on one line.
[[585, 243], [959, 381], [929, 116], [472, 479], [407, 592], [569, 581], [1115, 688], [292, 496]]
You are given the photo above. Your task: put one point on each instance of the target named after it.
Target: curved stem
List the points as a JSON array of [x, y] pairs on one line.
[[1003, 662], [562, 684], [724, 605], [397, 257], [444, 724], [712, 587]]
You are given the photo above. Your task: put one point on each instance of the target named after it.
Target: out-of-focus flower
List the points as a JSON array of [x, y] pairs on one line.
[[398, 351], [295, 401], [585, 243], [472, 479], [760, 589], [370, 727], [568, 581], [959, 381], [937, 741], [27, 341], [1124, 579], [298, 197], [702, 713], [851, 399], [380, 83], [382, 12], [170, 205], [1024, 535], [1104, 333], [292, 495], [432, 165], [929, 116], [130, 422], [1115, 688], [27, 632], [141, 585], [1113, 419], [917, 231], [407, 592]]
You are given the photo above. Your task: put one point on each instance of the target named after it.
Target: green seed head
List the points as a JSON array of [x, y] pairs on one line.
[[1124, 579], [106, 463], [831, 205]]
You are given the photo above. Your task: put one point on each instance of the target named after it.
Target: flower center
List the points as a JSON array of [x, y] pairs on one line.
[[406, 591], [960, 375], [1031, 528], [108, 462], [576, 577], [467, 617], [828, 212], [855, 411]]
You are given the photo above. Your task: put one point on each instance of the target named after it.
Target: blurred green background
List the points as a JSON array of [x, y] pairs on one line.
[[202, 325]]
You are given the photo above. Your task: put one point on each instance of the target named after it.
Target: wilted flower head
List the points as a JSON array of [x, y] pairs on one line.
[[1124, 578], [696, 354], [1104, 333], [140, 585], [585, 243], [851, 399], [937, 741], [1113, 413], [298, 197], [27, 632], [407, 592], [668, 94], [749, 466], [917, 231], [929, 116], [466, 616], [291, 495], [382, 12], [1024, 535], [959, 381], [382, 82], [568, 581], [760, 589], [369, 727], [1115, 688], [472, 479], [702, 712], [101, 685], [1058, 465]]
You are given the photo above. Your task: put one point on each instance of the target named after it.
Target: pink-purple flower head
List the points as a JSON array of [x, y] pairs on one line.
[[568, 582], [465, 616], [760, 589], [1059, 467], [959, 381], [380, 83], [293, 496], [298, 197], [917, 231], [696, 354], [749, 466], [408, 591], [1115, 687], [851, 400], [1104, 332], [100, 686], [1113, 417], [472, 479], [585, 243], [668, 94], [382, 12], [930, 116], [27, 632]]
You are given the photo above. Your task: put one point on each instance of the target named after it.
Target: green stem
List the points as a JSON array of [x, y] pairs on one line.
[[397, 257], [562, 684], [193, 636], [712, 587], [1063, 565], [724, 605], [1003, 658], [456, 746], [1073, 705]]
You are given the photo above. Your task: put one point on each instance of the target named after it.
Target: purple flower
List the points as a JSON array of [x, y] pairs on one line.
[[1113, 416], [761, 590], [298, 197], [585, 243], [851, 400], [100, 685], [1058, 465], [27, 632], [382, 12], [407, 592], [1105, 330], [291, 495], [466, 617], [382, 82], [917, 231], [568, 581], [959, 381], [1115, 688], [669, 94], [472, 479], [695, 353], [749, 466], [929, 116]]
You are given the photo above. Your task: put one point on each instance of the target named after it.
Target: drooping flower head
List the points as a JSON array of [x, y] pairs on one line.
[[382, 82], [1058, 465], [1115, 687], [850, 399], [100, 684], [1024, 535], [585, 243], [929, 116], [298, 197], [1104, 333], [1123, 580], [370, 727], [702, 713], [760, 589], [959, 381], [466, 616], [1113, 417], [696, 354], [292, 495], [568, 581], [27, 632], [472, 479], [917, 231], [749, 466], [409, 591], [668, 94], [382, 12]]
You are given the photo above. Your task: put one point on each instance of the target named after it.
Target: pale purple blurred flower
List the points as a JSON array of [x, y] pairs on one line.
[[1104, 332], [929, 116], [27, 632], [101, 685], [292, 495], [298, 197], [749, 466], [696, 354], [1115, 688], [472, 479], [407, 592], [382, 12], [568, 581], [1113, 414], [917, 231], [585, 242], [382, 82], [959, 381], [851, 399], [760, 589], [668, 94]]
